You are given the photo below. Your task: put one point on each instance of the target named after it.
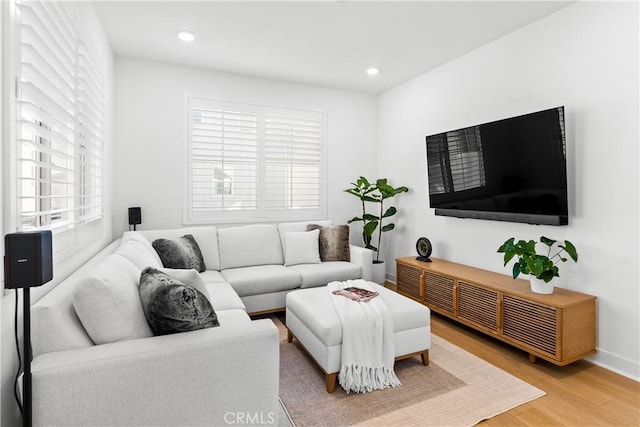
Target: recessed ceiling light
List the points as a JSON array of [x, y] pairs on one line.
[[186, 36], [372, 71]]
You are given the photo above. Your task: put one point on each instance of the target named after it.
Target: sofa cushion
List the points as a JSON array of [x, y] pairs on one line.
[[108, 304], [320, 274], [249, 245], [183, 252], [301, 247], [55, 325], [171, 306], [206, 237], [223, 297], [261, 279], [211, 276], [334, 242], [138, 237], [138, 254], [234, 319]]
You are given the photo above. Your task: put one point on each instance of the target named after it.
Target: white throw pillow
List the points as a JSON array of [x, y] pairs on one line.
[[136, 236], [108, 302], [301, 247], [286, 227], [137, 253]]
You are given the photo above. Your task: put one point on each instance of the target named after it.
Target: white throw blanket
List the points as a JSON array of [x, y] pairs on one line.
[[367, 341]]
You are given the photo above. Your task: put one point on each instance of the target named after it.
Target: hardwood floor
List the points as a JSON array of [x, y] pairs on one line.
[[580, 394]]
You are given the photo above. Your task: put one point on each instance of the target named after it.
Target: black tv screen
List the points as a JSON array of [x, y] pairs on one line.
[[513, 169]]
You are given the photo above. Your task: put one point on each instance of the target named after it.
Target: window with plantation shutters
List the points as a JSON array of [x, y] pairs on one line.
[[59, 126], [248, 162]]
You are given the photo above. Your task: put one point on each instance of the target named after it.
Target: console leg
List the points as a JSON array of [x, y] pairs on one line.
[[289, 336], [331, 380], [532, 358]]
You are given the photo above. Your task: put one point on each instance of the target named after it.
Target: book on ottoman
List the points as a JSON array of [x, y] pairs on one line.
[[356, 294]]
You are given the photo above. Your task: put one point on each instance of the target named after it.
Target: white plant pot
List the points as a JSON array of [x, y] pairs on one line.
[[539, 286], [379, 273]]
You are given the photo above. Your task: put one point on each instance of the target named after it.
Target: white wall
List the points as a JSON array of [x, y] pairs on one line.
[[584, 57], [150, 134], [91, 30]]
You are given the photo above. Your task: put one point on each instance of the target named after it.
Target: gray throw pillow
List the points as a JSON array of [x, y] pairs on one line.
[[183, 252], [170, 306], [333, 241]]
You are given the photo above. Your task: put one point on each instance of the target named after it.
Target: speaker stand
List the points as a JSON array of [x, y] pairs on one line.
[[26, 376]]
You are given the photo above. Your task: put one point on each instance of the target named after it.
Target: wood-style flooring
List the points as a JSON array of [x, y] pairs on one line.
[[580, 394]]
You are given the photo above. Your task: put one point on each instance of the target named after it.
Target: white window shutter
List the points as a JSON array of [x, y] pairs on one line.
[[251, 162], [90, 138], [224, 159], [45, 113], [59, 126], [292, 161]]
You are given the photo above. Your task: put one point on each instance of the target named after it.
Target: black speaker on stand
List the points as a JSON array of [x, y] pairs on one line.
[[28, 263], [135, 217]]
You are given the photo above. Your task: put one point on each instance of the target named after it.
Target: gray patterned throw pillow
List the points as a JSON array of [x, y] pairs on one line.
[[180, 253], [170, 306], [333, 241]]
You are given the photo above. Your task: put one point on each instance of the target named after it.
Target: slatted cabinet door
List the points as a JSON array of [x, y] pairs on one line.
[[439, 292], [531, 325], [409, 282], [478, 305]]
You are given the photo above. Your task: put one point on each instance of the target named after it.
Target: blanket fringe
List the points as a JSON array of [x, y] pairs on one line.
[[362, 379]]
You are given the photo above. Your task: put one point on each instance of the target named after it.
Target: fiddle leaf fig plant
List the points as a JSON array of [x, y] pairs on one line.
[[528, 261], [368, 192], [362, 189]]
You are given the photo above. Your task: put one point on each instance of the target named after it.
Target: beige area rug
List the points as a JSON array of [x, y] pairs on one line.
[[456, 389]]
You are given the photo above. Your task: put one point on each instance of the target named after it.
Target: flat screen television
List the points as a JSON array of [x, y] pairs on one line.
[[513, 169]]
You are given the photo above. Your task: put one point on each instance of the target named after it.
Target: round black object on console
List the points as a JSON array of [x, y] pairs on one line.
[[423, 247]]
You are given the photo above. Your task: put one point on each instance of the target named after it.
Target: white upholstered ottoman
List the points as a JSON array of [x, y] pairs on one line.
[[313, 321]]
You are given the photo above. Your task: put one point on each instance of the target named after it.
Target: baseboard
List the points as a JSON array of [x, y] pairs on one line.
[[619, 365]]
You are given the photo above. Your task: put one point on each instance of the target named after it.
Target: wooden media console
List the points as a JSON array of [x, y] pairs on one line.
[[560, 327]]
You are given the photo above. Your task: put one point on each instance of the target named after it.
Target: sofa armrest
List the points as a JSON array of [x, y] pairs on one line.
[[364, 258], [216, 376]]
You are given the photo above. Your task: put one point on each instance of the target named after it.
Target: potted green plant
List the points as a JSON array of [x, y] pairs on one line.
[[362, 189], [541, 268], [376, 193]]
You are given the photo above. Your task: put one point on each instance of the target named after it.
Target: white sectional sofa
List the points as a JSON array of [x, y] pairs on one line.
[[103, 368], [251, 259]]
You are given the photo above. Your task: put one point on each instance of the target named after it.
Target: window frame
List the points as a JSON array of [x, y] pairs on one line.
[[261, 213]]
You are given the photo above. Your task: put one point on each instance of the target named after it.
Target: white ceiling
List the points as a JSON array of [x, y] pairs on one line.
[[322, 43]]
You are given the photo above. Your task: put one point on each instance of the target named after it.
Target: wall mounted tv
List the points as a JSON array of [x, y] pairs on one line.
[[508, 170]]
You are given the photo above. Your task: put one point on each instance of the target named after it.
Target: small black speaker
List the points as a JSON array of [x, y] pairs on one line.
[[135, 216], [28, 260]]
